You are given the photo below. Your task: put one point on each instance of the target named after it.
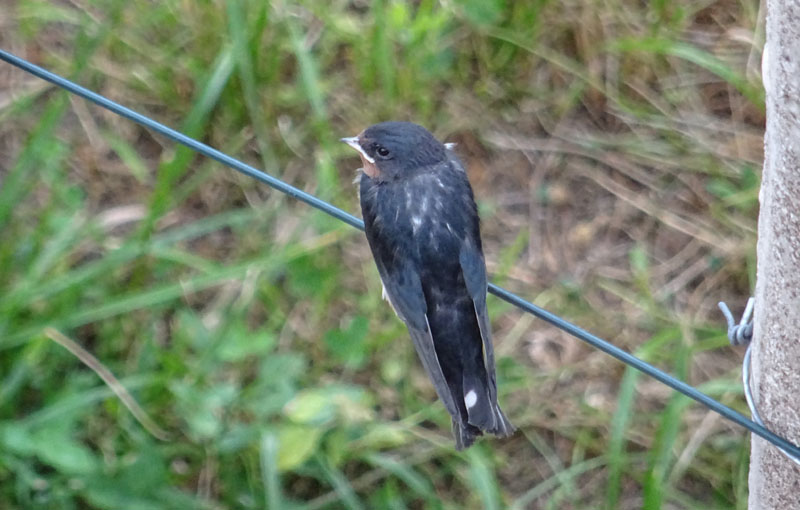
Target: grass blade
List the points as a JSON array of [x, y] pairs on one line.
[[617, 458], [239, 33], [483, 480], [268, 455], [340, 484], [171, 171]]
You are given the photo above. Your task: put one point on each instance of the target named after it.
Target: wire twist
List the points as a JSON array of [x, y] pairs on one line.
[[348, 218], [742, 334]]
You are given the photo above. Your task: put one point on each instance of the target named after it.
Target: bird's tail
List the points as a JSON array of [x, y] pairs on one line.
[[504, 428], [482, 408], [465, 434], [482, 415]]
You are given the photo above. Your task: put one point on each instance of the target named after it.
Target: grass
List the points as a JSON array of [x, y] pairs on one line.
[[614, 149]]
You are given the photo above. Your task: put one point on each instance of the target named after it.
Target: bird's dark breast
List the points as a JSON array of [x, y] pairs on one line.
[[425, 220]]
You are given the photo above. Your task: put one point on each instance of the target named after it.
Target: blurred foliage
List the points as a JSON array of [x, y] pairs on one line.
[[625, 142]]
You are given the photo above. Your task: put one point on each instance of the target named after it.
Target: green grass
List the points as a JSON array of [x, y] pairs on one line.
[[614, 150]]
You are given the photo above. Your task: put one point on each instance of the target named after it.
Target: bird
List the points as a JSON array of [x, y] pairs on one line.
[[422, 227]]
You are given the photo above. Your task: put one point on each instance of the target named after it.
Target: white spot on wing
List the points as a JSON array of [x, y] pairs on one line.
[[424, 207], [416, 222], [470, 399]]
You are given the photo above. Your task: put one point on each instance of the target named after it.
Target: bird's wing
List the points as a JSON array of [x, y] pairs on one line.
[[404, 290], [474, 270]]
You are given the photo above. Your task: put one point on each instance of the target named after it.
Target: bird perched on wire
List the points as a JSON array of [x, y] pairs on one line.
[[422, 226]]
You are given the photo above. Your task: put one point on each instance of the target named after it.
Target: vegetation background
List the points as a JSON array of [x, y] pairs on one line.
[[614, 147]]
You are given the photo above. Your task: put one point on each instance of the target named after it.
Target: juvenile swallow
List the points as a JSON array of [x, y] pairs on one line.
[[423, 230]]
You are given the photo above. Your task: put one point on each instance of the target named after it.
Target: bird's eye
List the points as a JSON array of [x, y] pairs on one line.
[[382, 152]]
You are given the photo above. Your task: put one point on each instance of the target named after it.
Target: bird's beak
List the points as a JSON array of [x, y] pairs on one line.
[[353, 142]]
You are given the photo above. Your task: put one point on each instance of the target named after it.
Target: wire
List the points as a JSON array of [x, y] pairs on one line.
[[742, 334], [348, 218], [748, 393]]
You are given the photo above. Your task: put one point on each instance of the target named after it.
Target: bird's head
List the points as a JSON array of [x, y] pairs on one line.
[[393, 150]]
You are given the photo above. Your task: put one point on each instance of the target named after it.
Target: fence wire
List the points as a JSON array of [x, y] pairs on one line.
[[348, 218]]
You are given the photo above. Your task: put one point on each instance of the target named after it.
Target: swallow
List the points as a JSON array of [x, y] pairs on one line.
[[423, 229]]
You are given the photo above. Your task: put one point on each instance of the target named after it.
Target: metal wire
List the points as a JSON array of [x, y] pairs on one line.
[[348, 218], [742, 334]]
